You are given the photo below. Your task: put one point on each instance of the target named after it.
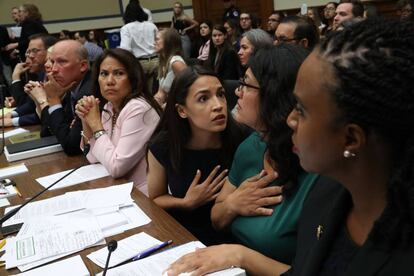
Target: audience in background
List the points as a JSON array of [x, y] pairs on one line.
[[233, 33], [15, 14], [246, 22], [31, 23], [313, 13], [205, 34], [183, 23], [298, 30], [222, 58], [251, 42], [405, 9], [328, 18], [273, 22], [168, 47], [347, 10], [119, 120], [138, 37], [94, 51], [65, 34], [230, 10]]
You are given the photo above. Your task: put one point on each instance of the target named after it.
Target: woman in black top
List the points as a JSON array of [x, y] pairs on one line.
[[31, 23], [183, 23], [191, 151], [222, 57]]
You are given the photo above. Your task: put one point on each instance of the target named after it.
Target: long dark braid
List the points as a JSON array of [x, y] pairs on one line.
[[374, 63]]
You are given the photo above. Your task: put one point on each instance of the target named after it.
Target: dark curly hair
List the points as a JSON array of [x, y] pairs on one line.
[[374, 65], [275, 69]]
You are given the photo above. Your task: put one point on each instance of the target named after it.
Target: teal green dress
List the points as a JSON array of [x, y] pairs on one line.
[[275, 235]]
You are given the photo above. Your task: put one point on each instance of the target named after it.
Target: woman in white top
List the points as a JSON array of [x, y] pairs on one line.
[[138, 37], [168, 47]]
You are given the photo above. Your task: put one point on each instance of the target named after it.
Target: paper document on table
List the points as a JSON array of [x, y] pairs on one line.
[[47, 207], [50, 236], [13, 170], [104, 197], [83, 174], [13, 132], [126, 249], [74, 264], [4, 202], [157, 264]]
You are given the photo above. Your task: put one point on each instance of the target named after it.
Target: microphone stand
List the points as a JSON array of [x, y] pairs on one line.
[[15, 210], [111, 247]]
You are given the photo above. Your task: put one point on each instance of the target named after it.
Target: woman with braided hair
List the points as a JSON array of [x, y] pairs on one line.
[[352, 123]]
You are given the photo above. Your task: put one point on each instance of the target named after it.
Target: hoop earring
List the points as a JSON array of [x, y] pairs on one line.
[[348, 154]]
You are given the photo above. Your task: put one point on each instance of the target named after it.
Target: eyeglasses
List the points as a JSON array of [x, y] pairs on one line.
[[243, 84], [244, 18], [33, 51], [406, 10], [329, 9]]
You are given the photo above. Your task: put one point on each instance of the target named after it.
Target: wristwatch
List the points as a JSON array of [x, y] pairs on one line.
[[98, 133]]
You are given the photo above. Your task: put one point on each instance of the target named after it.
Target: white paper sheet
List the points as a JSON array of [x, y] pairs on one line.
[[13, 170], [14, 132], [51, 206], [51, 236], [74, 265], [4, 202], [157, 264], [126, 249], [83, 174]]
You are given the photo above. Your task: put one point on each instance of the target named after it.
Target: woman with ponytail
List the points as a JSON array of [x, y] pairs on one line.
[[353, 123]]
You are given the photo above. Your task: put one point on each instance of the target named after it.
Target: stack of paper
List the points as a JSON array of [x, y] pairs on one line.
[[47, 237], [13, 132], [111, 210], [157, 264], [126, 249]]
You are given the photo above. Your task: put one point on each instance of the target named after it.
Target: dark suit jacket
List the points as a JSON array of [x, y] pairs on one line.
[[327, 205], [229, 67], [27, 113], [59, 123]]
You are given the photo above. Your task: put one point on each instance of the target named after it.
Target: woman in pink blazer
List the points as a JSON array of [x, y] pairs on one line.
[[118, 121]]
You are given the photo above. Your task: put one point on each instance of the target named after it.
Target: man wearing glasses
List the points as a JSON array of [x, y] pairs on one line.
[[33, 69], [69, 80], [273, 22], [297, 30], [329, 15]]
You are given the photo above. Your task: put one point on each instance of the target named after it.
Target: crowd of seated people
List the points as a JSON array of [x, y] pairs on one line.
[[287, 151]]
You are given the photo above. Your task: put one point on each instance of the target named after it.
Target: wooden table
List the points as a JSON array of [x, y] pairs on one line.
[[162, 226]]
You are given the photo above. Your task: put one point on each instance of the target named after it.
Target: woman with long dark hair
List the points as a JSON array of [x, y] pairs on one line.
[[222, 58], [352, 122], [118, 122], [191, 151]]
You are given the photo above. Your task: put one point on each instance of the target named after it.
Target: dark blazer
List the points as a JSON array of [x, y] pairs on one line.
[[326, 207], [229, 67], [60, 122]]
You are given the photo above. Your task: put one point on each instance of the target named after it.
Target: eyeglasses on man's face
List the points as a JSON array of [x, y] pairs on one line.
[[33, 51], [282, 39]]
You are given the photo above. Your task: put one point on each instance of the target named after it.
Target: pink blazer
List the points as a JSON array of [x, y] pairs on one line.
[[122, 152]]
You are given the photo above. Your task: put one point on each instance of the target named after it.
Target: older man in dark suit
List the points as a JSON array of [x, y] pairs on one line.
[[69, 80]]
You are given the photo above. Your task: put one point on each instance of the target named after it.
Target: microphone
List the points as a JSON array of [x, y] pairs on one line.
[[15, 210], [111, 247]]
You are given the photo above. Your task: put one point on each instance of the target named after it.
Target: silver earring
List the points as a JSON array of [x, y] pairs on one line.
[[348, 154]]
